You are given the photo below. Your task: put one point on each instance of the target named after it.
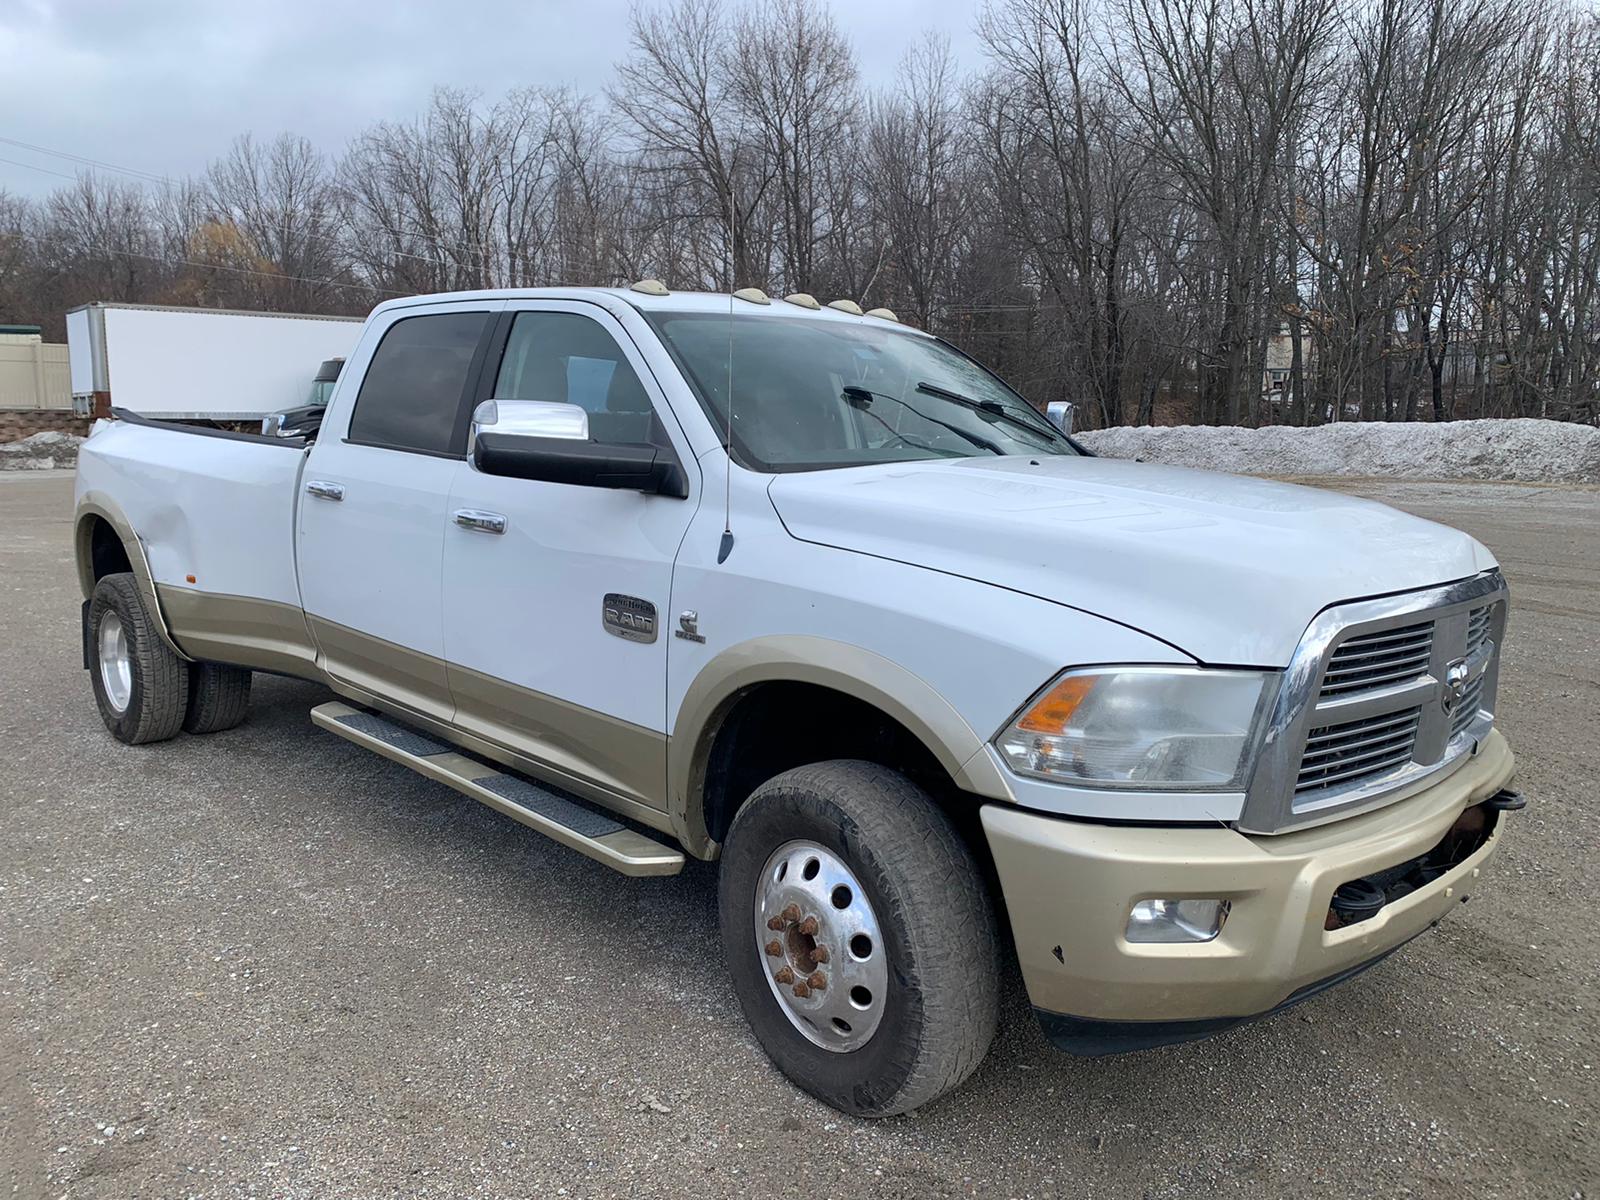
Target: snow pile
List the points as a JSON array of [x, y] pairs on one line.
[[1526, 450], [40, 452]]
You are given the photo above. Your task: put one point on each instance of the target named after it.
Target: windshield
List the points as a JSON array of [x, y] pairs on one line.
[[812, 394], [321, 389]]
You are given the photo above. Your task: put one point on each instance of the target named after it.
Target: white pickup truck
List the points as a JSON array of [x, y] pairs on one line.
[[798, 589]]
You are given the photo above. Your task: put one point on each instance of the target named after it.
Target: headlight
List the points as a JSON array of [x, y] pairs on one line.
[[1154, 728]]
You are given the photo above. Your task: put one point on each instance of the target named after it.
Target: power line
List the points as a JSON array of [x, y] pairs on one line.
[[30, 166], [79, 158]]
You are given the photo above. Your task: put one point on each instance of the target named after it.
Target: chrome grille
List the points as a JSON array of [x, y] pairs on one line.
[[1380, 697], [1336, 754], [1467, 713], [1478, 626], [1379, 659]]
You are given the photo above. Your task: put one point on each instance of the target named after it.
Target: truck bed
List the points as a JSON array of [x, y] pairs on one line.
[[214, 512]]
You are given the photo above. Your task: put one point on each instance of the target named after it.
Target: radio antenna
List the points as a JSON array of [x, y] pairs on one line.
[[726, 548]]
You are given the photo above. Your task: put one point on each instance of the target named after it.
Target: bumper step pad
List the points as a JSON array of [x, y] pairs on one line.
[[589, 831]]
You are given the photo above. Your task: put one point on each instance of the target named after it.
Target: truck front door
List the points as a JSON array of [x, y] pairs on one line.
[[372, 508], [556, 626]]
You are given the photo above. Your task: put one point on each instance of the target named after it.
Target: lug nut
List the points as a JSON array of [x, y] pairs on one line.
[[801, 990], [776, 923], [820, 954], [775, 947], [808, 927], [818, 981], [791, 914], [784, 975]]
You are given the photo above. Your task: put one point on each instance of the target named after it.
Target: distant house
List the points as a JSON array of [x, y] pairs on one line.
[[1279, 362]]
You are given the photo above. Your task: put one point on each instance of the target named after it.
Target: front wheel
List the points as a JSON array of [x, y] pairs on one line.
[[860, 937]]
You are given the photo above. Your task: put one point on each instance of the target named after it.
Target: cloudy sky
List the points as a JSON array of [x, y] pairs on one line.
[[163, 85]]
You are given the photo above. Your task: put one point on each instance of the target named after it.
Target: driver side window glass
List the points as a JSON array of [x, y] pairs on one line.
[[570, 359]]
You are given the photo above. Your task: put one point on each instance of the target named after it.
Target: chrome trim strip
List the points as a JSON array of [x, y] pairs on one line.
[[1356, 706], [1271, 804]]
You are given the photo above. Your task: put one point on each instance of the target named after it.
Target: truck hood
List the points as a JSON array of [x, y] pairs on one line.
[[1228, 569]]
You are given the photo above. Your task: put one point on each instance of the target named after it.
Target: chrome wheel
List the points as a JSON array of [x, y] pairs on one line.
[[116, 665], [820, 946]]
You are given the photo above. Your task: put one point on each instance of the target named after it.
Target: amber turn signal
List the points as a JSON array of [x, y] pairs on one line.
[[1051, 712]]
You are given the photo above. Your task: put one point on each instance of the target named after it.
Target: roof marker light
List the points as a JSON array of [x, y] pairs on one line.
[[846, 306], [752, 296], [883, 314], [650, 287], [803, 299]]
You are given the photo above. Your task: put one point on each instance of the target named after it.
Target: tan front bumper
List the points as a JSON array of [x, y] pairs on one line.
[[1070, 884]]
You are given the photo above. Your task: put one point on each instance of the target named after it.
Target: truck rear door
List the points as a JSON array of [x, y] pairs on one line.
[[372, 503]]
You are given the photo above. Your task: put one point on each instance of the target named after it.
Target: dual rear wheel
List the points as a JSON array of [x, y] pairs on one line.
[[144, 691]]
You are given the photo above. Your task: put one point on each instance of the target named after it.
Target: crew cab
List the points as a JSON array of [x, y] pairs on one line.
[[801, 590]]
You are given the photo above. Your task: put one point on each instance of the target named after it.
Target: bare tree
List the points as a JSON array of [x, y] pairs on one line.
[[679, 93], [1147, 206]]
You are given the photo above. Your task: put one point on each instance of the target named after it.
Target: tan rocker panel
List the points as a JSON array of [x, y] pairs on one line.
[[601, 758], [409, 677], [246, 632]]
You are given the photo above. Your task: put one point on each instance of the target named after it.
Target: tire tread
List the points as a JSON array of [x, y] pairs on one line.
[[161, 678], [916, 846], [219, 697]]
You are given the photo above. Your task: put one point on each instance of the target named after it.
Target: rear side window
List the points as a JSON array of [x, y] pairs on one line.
[[572, 360], [411, 395]]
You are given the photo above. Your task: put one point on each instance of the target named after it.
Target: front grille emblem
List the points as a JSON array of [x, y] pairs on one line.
[[1462, 673], [1456, 678]]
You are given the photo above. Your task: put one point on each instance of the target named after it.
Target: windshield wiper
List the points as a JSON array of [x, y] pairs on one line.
[[993, 407], [855, 392]]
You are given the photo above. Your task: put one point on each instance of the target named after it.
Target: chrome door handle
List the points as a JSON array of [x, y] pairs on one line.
[[325, 490], [483, 522]]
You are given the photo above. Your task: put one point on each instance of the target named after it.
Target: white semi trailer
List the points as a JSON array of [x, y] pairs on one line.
[[184, 364]]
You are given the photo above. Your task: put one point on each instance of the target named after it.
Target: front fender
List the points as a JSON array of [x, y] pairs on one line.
[[798, 658]]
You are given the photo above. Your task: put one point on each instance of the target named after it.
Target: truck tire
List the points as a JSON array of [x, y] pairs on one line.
[[860, 937], [140, 685], [219, 697]]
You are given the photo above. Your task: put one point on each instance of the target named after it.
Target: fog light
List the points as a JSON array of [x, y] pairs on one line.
[[1177, 920]]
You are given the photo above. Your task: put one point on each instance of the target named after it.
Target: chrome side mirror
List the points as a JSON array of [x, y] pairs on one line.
[[1059, 413], [549, 443], [271, 424], [529, 418]]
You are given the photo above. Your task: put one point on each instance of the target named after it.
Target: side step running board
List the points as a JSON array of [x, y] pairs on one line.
[[588, 831]]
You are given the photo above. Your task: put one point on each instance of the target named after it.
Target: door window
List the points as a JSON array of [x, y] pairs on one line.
[[411, 396], [572, 360]]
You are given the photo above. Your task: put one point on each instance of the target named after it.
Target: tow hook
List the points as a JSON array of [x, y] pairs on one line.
[[1357, 900], [1506, 800]]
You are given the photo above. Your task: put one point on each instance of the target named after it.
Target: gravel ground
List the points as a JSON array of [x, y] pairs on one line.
[[267, 963], [1526, 450]]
